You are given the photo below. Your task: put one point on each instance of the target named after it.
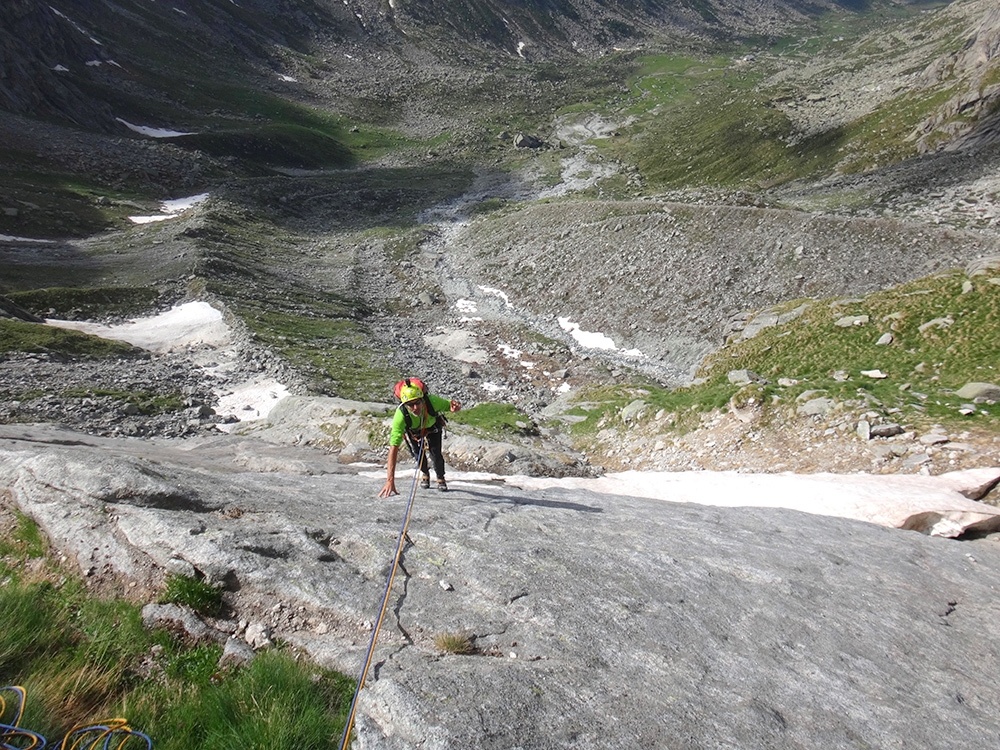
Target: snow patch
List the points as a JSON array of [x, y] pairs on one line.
[[592, 340], [151, 132], [183, 326], [886, 500], [497, 293], [9, 238], [588, 339], [171, 209]]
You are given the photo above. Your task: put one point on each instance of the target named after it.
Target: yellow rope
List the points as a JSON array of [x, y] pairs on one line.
[[385, 601]]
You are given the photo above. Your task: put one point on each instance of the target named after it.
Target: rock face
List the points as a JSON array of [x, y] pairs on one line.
[[36, 45], [597, 621]]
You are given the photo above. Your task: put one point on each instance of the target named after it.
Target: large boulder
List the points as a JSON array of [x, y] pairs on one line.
[[598, 621]]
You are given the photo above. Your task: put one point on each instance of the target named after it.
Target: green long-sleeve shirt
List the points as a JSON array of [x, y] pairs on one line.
[[441, 405]]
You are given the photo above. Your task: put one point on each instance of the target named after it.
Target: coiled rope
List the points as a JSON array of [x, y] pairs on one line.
[[400, 542], [110, 734]]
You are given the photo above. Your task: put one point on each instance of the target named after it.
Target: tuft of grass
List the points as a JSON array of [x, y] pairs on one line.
[[453, 642], [24, 540], [275, 702], [202, 597]]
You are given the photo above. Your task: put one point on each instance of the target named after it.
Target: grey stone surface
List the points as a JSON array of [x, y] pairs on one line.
[[177, 618], [816, 406], [744, 377], [985, 391], [599, 621]]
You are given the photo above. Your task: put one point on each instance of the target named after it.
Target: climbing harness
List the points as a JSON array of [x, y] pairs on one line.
[[400, 543]]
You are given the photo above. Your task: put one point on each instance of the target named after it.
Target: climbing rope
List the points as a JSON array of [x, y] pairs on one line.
[[400, 542], [12, 736], [111, 734]]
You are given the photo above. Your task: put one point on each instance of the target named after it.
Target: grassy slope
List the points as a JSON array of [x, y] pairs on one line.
[[713, 121], [84, 659], [941, 341]]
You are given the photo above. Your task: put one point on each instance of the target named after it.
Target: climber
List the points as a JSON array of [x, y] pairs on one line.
[[419, 421]]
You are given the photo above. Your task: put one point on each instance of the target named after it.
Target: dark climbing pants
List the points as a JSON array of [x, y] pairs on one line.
[[433, 448]]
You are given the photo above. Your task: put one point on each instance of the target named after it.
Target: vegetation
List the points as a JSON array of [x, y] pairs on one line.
[[84, 303], [83, 659], [494, 420], [938, 345], [202, 597], [453, 643], [18, 336]]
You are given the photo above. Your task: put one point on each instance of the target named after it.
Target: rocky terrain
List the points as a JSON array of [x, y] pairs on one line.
[[403, 189]]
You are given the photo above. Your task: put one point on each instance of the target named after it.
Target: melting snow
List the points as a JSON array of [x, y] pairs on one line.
[[9, 238], [593, 340], [151, 132], [171, 209], [190, 324], [496, 293], [586, 338]]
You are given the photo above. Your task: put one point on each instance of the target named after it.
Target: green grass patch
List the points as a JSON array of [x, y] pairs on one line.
[[273, 145], [24, 540], [938, 346], [202, 597], [45, 202], [724, 133], [335, 352], [83, 303], [601, 407], [494, 420], [882, 137], [18, 336], [84, 659]]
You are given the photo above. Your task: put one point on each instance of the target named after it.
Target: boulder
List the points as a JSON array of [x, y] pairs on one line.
[[744, 377], [979, 391], [671, 609], [523, 140]]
